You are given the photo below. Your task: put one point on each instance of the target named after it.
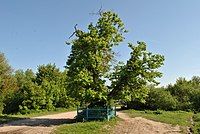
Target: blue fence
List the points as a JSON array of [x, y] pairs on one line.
[[96, 113]]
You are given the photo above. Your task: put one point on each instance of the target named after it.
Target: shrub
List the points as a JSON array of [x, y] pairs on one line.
[[195, 100], [161, 99], [182, 91], [11, 102]]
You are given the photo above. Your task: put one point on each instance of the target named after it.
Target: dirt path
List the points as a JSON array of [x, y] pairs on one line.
[[37, 125], [139, 125], [46, 124]]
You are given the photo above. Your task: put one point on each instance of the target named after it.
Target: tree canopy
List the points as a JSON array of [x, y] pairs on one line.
[[91, 55], [130, 80], [6, 80]]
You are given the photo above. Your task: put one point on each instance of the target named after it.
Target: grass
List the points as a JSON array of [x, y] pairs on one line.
[[181, 118], [92, 127], [4, 118]]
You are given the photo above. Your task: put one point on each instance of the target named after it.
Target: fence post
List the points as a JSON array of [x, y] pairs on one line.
[[107, 113], [115, 111], [87, 113], [77, 110]]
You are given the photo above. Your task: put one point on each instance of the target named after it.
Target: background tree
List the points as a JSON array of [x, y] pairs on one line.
[[45, 90], [182, 90], [7, 81], [195, 93], [14, 99], [52, 81], [129, 83], [90, 57], [159, 98]]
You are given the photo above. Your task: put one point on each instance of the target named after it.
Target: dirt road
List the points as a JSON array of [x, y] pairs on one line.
[[139, 125], [37, 125], [46, 124]]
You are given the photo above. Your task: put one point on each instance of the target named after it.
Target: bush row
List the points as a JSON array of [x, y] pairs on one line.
[[183, 95], [45, 89]]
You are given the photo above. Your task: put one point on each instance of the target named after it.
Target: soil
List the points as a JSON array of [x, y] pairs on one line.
[[139, 125], [37, 125]]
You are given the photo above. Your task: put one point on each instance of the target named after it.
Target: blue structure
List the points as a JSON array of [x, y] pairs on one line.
[[86, 114]]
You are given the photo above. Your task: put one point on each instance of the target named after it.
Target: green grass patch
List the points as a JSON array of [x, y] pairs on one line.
[[181, 118], [92, 127], [4, 118]]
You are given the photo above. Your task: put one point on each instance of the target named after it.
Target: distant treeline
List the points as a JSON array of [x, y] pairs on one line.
[[26, 91], [183, 95]]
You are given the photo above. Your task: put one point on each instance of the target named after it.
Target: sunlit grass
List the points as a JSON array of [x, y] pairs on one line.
[[181, 118], [92, 127]]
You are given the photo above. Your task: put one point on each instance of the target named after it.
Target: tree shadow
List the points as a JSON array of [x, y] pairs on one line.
[[45, 122], [5, 119]]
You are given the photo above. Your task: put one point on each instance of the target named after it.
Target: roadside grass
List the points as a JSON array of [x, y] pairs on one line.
[[196, 125], [180, 118], [4, 118], [92, 127]]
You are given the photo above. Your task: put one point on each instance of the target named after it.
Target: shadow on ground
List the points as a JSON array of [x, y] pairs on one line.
[[45, 122], [5, 119]]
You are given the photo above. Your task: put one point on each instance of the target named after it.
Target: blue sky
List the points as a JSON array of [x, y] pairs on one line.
[[33, 32]]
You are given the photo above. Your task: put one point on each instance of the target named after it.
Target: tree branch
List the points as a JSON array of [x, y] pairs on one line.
[[100, 11], [75, 29]]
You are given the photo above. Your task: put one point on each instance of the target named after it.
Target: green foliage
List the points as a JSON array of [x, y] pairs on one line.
[[130, 81], [183, 95], [28, 93], [91, 56], [195, 100], [7, 81], [45, 90], [195, 93], [187, 92], [182, 91], [48, 73], [12, 100], [5, 69], [34, 98], [161, 99], [52, 81]]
